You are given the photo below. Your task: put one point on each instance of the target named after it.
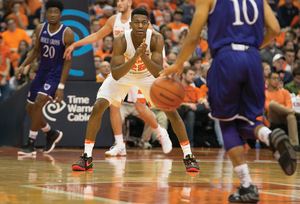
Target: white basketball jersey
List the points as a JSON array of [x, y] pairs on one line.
[[139, 67], [119, 27]]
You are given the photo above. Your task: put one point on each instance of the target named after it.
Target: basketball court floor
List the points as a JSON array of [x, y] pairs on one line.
[[144, 176]]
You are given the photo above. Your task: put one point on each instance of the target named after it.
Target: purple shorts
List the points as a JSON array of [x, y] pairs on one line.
[[236, 85]]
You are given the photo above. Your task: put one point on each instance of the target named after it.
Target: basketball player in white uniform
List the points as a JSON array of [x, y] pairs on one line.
[[136, 61], [118, 23]]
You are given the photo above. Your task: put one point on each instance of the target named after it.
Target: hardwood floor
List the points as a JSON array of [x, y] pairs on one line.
[[143, 176]]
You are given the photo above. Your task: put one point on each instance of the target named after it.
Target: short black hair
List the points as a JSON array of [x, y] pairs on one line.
[[296, 71], [140, 11], [55, 3], [269, 76]]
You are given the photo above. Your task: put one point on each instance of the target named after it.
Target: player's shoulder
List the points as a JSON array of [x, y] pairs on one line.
[[157, 36], [111, 20], [120, 36]]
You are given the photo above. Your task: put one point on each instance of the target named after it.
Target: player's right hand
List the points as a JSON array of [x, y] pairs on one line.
[[141, 50], [172, 70], [68, 52], [18, 72]]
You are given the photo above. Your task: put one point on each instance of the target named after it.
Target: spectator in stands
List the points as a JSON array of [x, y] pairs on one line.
[[107, 49], [202, 79], [95, 26], [16, 56], [3, 13], [13, 35], [36, 17], [104, 71], [268, 52], [294, 86], [297, 56], [4, 71], [177, 47], [177, 26], [289, 60], [20, 18], [286, 13], [193, 105], [31, 73], [33, 6], [278, 63], [188, 11], [99, 8], [296, 29], [288, 45], [290, 35], [196, 63], [157, 15], [172, 56], [166, 31], [266, 71], [145, 4], [108, 12], [278, 108], [167, 18]]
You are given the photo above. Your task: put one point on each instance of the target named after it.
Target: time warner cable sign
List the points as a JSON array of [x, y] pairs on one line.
[[78, 109], [76, 16]]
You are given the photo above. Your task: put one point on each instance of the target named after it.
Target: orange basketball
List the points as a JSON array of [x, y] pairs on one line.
[[167, 94]]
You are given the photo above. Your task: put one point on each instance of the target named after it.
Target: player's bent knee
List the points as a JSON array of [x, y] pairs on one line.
[[100, 105]]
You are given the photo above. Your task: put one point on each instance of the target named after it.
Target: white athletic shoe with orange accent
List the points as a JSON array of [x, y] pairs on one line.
[[165, 141], [117, 150]]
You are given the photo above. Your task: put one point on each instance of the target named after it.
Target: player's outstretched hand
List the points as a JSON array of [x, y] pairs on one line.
[[59, 95], [172, 70], [18, 72], [68, 52], [142, 48]]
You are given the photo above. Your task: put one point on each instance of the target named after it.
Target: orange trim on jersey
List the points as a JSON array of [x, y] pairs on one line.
[[185, 143], [284, 66], [89, 141], [141, 97]]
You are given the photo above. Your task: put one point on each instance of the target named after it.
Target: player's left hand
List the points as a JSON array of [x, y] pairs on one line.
[[59, 95], [172, 70]]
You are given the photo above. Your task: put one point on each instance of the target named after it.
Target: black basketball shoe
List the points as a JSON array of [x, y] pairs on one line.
[[84, 163]]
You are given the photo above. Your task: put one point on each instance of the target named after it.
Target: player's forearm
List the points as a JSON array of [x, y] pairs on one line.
[[152, 67], [189, 47], [268, 37], [31, 56], [65, 71], [87, 40], [121, 70]]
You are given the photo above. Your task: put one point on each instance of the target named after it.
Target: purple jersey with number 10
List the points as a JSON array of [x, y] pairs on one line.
[[235, 79], [235, 21]]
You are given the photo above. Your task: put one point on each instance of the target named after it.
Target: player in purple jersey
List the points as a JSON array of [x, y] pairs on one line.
[[235, 80], [52, 40]]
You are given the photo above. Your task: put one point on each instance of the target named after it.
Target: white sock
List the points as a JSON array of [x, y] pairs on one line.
[[243, 174], [119, 139], [88, 148], [47, 128], [263, 135], [186, 148], [33, 134], [158, 130]]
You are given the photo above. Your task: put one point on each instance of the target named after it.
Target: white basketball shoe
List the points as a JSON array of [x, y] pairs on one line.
[[117, 150], [165, 141]]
